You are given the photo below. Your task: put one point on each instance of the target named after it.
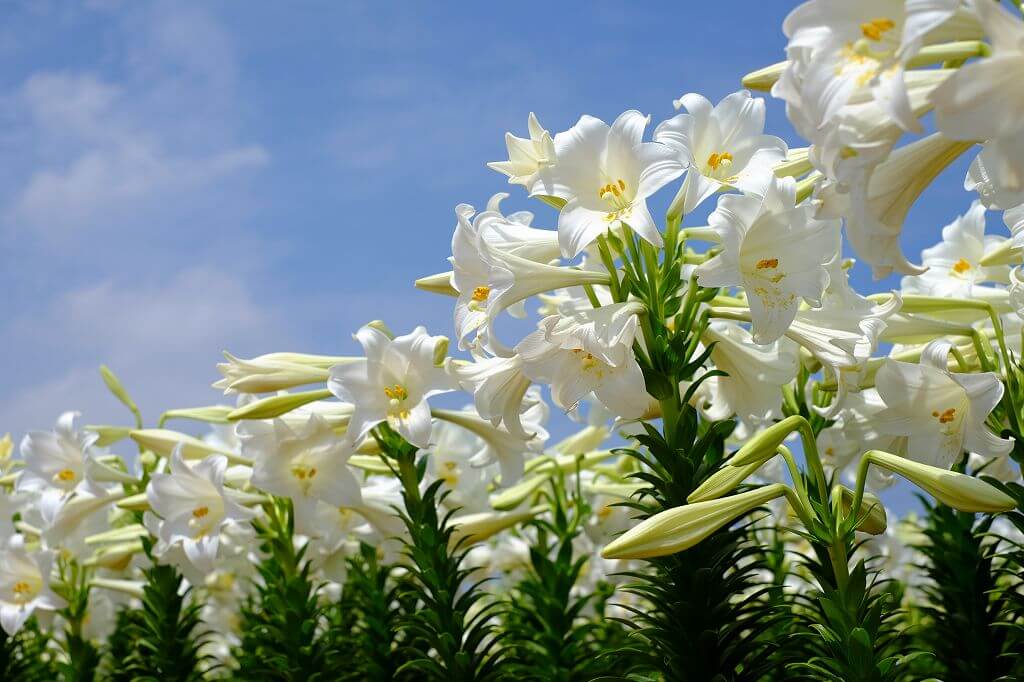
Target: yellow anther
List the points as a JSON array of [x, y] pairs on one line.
[[874, 29], [946, 416], [719, 159], [961, 266], [22, 588], [396, 392], [767, 263], [66, 475], [480, 294], [200, 512]]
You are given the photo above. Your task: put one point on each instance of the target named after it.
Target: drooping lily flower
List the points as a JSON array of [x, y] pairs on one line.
[[306, 464], [392, 384], [605, 174], [777, 250], [588, 352], [722, 146], [25, 586], [191, 508], [941, 413]]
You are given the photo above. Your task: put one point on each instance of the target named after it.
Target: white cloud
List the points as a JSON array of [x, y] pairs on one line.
[[163, 339]]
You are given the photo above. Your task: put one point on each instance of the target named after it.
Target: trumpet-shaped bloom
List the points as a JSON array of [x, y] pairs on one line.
[[193, 508], [776, 250], [605, 174], [307, 464], [526, 157], [954, 264], [756, 374], [498, 386], [879, 201], [25, 586], [55, 462], [479, 275], [722, 146], [941, 413], [588, 352], [844, 53], [392, 384], [984, 99]]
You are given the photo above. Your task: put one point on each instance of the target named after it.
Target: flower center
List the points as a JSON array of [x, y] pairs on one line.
[[961, 266], [721, 160], [876, 28], [65, 475], [480, 294], [945, 416], [22, 589], [200, 512], [396, 393], [304, 472], [614, 193]]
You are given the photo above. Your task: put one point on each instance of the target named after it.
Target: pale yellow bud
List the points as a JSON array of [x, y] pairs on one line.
[[956, 490]]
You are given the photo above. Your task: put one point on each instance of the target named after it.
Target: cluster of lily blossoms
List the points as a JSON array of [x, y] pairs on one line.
[[641, 321]]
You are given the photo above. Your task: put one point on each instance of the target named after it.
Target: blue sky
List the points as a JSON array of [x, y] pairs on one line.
[[180, 178]]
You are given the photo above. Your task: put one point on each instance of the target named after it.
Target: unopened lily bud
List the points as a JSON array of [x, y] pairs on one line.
[[132, 588], [440, 351], [441, 283], [515, 495], [163, 442], [6, 448], [263, 375], [872, 512], [275, 406], [212, 414], [473, 528], [381, 327], [134, 503], [115, 557], [118, 389], [763, 446], [677, 529], [763, 79], [108, 435], [956, 490], [586, 439], [123, 534], [725, 480]]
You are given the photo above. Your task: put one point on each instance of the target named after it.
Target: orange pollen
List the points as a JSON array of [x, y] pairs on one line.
[[717, 158], [615, 189], [66, 475], [22, 587], [766, 263], [396, 392], [961, 266], [200, 512], [874, 29], [945, 416], [480, 294]]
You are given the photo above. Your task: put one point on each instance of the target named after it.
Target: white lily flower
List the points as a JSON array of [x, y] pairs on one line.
[[993, 177], [844, 53], [499, 445], [193, 508], [853, 432], [526, 157], [56, 461], [479, 275], [843, 333], [497, 385], [954, 264], [25, 586], [941, 413], [591, 351], [306, 464], [451, 461], [984, 99], [753, 389], [392, 384], [777, 250], [879, 201], [273, 372], [605, 174], [722, 146]]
